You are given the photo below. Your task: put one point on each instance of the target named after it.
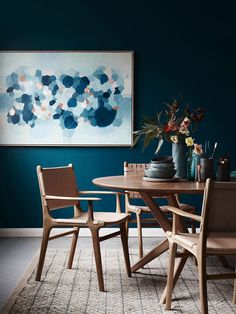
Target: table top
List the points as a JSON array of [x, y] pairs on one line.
[[135, 183]]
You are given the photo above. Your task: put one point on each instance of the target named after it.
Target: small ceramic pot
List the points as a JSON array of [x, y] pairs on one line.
[[207, 168]]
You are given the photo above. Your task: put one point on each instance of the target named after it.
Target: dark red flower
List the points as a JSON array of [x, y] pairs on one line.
[[167, 128]]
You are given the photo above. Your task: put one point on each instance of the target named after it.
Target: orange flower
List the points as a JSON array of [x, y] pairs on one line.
[[174, 126], [198, 149]]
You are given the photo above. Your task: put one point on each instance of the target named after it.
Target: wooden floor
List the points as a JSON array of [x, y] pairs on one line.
[[17, 253]]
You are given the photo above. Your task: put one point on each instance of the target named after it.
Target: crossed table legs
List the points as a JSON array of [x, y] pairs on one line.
[[165, 224]]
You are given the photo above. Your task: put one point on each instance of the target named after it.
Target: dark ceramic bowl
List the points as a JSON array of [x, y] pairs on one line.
[[161, 174], [162, 166], [162, 160]]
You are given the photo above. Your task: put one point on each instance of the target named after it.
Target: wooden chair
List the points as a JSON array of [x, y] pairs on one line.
[[217, 237], [139, 210], [59, 190]]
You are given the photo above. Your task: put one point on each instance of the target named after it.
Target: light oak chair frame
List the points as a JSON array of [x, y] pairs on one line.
[[216, 232], [138, 169], [68, 196]]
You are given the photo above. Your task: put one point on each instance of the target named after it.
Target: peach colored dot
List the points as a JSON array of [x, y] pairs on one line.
[[39, 86], [22, 78], [43, 108], [115, 107]]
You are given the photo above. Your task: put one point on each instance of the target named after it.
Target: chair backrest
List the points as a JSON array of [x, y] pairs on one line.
[[219, 207], [132, 169], [58, 181]]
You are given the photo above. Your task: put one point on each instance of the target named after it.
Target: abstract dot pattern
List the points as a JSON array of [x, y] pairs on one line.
[[93, 98]]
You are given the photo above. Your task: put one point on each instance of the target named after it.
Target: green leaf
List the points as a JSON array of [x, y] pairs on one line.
[[150, 126], [149, 120], [159, 144], [147, 140], [136, 139], [159, 117]]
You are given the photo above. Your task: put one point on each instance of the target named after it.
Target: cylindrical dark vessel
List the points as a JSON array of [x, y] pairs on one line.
[[223, 170], [207, 168]]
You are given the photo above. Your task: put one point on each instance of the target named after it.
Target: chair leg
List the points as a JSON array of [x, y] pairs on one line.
[[193, 226], [202, 284], [97, 255], [172, 251], [72, 248], [194, 231], [43, 249], [234, 293], [179, 265], [127, 223], [124, 240], [140, 237]]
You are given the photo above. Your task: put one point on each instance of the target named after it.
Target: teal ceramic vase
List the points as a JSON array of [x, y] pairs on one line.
[[179, 154]]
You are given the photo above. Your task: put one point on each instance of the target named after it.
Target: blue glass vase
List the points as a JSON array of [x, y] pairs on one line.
[[192, 162], [192, 167]]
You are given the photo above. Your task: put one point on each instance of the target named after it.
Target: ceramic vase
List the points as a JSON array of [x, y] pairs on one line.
[[179, 154]]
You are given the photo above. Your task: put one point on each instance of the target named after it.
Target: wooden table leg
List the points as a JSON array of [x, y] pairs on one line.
[[172, 200], [161, 218], [166, 226], [158, 250], [163, 222]]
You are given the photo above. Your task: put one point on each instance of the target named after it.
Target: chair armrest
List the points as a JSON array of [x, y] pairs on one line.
[[70, 198], [183, 213], [117, 195]]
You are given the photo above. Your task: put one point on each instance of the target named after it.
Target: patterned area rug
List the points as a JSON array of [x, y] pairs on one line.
[[76, 290]]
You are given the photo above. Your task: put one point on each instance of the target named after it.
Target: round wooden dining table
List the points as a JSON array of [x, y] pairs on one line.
[[148, 190]]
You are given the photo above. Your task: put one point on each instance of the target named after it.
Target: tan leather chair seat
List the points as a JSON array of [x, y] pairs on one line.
[[216, 242], [108, 218]]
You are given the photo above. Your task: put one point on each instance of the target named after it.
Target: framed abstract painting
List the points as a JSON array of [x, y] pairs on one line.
[[60, 98]]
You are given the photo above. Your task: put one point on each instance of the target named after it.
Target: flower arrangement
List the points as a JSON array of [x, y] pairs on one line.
[[193, 147], [172, 125]]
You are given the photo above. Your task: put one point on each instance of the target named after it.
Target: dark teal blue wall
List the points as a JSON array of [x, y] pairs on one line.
[[181, 48]]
